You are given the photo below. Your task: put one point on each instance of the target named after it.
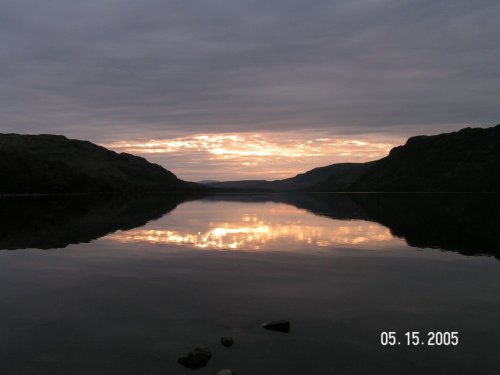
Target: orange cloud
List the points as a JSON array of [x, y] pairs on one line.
[[263, 155]]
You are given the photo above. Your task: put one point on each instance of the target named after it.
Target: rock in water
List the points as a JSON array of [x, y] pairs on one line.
[[226, 341], [278, 325], [197, 358], [225, 371]]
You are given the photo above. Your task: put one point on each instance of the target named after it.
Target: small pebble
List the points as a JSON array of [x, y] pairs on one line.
[[227, 341]]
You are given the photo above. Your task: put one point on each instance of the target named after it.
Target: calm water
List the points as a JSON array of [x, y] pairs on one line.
[[126, 285]]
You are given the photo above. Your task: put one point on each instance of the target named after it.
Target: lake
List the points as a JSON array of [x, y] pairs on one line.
[[127, 285]]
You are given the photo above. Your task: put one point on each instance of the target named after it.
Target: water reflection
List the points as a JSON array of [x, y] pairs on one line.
[[56, 222], [465, 223], [256, 226], [138, 298]]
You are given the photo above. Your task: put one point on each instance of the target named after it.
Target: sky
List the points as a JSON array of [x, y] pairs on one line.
[[230, 90]]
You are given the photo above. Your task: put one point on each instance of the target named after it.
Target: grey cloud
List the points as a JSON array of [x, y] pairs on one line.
[[109, 69]]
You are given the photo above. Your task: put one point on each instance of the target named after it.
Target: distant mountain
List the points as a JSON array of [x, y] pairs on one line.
[[55, 164], [204, 182], [467, 160], [335, 177], [237, 185]]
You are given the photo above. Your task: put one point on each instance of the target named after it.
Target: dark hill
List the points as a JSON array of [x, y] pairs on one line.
[[55, 164], [467, 160]]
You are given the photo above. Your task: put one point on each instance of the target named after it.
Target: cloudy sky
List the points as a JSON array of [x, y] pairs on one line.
[[229, 89]]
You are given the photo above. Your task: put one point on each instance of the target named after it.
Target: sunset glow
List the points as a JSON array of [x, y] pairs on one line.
[[240, 156]]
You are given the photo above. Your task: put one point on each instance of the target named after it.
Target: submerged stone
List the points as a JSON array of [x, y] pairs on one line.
[[227, 341]]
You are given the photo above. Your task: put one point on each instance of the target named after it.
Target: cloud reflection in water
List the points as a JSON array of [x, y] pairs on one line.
[[254, 227]]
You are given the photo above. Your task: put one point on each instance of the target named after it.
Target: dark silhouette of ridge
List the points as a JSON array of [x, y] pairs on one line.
[[467, 160], [54, 164]]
